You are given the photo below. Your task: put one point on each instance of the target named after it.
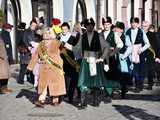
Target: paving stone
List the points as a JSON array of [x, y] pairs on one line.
[[18, 106]]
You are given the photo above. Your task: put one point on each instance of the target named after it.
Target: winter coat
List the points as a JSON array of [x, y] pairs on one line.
[[8, 45], [4, 65], [49, 75]]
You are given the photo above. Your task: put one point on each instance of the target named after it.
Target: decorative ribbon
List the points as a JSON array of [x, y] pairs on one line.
[[152, 51], [43, 54], [71, 61]]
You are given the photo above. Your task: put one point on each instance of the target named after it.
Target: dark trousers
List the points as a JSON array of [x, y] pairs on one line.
[[139, 80], [3, 83], [157, 71], [83, 99], [150, 80], [22, 72], [96, 92], [71, 84], [126, 80]]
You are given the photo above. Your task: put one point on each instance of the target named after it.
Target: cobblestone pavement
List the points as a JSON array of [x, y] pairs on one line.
[[19, 106]]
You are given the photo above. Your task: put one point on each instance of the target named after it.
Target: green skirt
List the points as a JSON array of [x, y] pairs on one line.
[[86, 81]]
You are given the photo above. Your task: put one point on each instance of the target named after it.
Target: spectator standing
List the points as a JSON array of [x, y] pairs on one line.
[[5, 34], [23, 51], [29, 36], [4, 69]]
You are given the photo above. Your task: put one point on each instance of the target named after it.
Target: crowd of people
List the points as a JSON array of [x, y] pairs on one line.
[[62, 63]]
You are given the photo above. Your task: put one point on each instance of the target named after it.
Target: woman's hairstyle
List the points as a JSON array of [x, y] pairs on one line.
[[51, 32], [77, 26], [33, 21]]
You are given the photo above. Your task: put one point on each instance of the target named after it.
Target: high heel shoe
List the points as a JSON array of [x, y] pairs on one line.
[[39, 103], [55, 104]]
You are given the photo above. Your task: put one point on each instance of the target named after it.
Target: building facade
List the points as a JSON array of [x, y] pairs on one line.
[[75, 10]]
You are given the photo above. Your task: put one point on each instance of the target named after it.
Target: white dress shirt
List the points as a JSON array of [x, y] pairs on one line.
[[118, 41], [129, 42]]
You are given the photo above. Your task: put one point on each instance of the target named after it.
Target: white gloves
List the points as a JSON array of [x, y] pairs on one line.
[[157, 60], [106, 68], [99, 60], [68, 46]]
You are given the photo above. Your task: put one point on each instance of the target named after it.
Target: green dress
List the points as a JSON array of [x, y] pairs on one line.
[[99, 81]]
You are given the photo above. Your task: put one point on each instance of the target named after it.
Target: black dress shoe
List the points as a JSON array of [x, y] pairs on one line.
[[39, 104], [20, 82], [70, 101], [96, 104], [157, 84], [123, 95], [81, 106], [107, 99], [149, 88], [55, 104], [137, 90]]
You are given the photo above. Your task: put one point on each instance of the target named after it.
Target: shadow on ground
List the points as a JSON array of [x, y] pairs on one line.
[[132, 113], [30, 95], [14, 75], [144, 97]]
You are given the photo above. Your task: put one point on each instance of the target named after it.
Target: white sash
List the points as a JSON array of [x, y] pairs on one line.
[[135, 53], [91, 59]]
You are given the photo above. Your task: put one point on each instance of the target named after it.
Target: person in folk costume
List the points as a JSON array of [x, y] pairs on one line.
[[4, 69], [51, 74], [136, 42], [70, 66], [150, 54], [115, 44], [94, 51], [5, 34], [157, 60], [125, 75], [56, 27]]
